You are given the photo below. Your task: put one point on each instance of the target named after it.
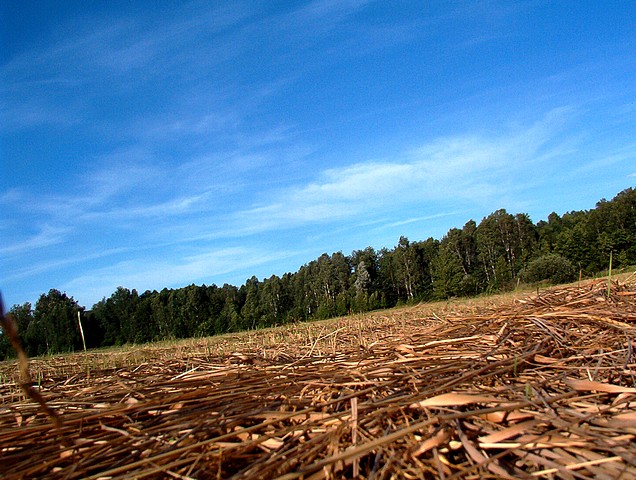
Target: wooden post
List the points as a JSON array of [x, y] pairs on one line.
[[79, 322]]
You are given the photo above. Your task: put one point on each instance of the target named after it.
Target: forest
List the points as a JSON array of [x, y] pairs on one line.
[[497, 254]]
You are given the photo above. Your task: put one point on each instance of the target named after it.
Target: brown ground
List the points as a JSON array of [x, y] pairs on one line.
[[525, 386]]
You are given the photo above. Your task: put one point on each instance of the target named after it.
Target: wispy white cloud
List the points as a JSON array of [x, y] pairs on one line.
[[57, 85], [169, 272], [120, 172], [47, 236], [178, 205], [417, 219], [51, 265], [471, 168], [625, 155], [331, 11], [34, 114], [188, 125]]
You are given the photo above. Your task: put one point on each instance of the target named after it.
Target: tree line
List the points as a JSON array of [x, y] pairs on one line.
[[494, 255]]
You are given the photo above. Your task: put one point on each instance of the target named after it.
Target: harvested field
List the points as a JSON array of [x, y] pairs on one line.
[[542, 386]]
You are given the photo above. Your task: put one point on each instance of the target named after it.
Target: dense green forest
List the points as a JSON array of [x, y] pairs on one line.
[[494, 255]]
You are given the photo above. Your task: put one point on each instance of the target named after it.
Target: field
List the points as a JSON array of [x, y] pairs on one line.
[[523, 385]]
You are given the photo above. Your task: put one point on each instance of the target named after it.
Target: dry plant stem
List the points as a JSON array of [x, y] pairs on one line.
[[25, 381], [609, 277], [354, 432]]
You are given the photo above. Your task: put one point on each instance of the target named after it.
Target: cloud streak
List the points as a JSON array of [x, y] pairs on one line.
[[143, 275], [46, 236], [474, 168], [140, 192]]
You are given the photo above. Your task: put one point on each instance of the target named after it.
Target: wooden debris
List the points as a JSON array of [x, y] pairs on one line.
[[542, 387]]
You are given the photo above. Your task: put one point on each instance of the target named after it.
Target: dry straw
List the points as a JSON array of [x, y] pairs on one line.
[[541, 387]]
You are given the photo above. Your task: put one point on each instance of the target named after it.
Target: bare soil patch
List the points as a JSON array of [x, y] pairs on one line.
[[526, 386]]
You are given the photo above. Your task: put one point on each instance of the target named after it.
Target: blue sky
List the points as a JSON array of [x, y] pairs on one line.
[[159, 144]]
